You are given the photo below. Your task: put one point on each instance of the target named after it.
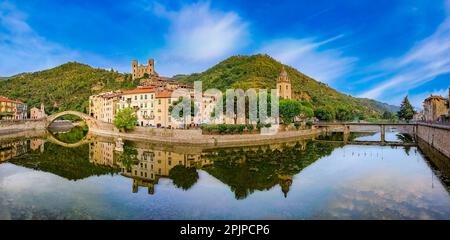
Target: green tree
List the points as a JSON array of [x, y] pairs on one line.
[[344, 114], [288, 110], [325, 114], [388, 115], [406, 110], [125, 119], [128, 157]]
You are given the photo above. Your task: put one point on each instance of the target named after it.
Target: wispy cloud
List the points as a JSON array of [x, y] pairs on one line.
[[311, 57], [427, 60], [21, 46], [199, 36]]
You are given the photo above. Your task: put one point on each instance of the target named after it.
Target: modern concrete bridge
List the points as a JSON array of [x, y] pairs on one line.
[[347, 127]]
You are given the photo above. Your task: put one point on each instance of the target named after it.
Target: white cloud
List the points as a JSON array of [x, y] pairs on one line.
[[199, 36], [310, 57], [424, 62], [22, 49], [21, 46]]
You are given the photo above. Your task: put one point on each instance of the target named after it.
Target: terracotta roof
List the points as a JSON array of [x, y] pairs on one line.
[[164, 94], [437, 97], [4, 99], [139, 90]]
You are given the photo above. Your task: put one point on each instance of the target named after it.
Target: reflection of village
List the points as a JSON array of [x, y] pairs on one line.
[[244, 169], [12, 149], [151, 164], [149, 167]]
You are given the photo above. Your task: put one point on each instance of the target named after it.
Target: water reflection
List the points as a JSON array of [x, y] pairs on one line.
[[295, 180]]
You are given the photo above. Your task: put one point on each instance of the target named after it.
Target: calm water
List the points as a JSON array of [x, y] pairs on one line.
[[297, 180]]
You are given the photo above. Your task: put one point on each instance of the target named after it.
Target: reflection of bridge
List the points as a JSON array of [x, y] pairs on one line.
[[90, 121], [87, 139], [378, 143]]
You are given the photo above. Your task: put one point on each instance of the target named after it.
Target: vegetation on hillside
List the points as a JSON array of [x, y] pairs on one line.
[[66, 87], [261, 71]]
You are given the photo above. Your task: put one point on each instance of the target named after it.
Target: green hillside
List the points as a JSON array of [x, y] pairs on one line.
[[64, 87], [69, 86], [261, 71]]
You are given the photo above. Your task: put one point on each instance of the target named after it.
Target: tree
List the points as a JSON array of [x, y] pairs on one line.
[[406, 110], [288, 110], [388, 115], [344, 114], [125, 119], [325, 114]]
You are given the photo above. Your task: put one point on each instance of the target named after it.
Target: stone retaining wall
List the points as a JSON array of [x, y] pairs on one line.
[[7, 127], [437, 136], [194, 137]]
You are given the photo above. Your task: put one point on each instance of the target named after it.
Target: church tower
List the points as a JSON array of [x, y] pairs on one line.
[[284, 89]]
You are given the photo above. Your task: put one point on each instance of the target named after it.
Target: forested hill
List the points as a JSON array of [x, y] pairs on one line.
[[68, 87], [261, 71], [64, 87]]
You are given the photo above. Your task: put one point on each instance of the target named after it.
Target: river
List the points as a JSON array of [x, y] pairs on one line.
[[312, 179]]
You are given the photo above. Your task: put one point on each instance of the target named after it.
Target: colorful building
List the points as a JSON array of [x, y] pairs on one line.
[[12, 109], [163, 116], [103, 106], [38, 113], [435, 108], [142, 100]]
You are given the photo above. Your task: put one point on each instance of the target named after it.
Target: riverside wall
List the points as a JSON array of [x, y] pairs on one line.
[[437, 136]]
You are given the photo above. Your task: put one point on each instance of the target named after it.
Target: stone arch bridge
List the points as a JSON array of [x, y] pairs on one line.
[[90, 121]]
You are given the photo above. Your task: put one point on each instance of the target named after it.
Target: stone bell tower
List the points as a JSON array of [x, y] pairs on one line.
[[284, 89]]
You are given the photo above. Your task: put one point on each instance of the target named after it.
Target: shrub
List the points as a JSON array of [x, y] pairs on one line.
[[231, 128], [250, 127], [222, 128], [268, 125], [240, 128], [259, 125]]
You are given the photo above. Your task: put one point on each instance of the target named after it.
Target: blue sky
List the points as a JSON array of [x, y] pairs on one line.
[[377, 49]]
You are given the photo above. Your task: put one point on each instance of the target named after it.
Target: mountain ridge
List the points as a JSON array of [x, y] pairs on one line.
[[261, 71], [68, 86]]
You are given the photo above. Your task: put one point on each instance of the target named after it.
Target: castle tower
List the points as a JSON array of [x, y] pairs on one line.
[[284, 89], [140, 71]]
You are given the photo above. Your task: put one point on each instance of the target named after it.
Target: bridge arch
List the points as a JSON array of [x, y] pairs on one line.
[[90, 121], [87, 139]]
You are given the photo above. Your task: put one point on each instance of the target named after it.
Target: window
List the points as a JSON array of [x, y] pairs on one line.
[[135, 97], [170, 100], [159, 101], [145, 96], [142, 97]]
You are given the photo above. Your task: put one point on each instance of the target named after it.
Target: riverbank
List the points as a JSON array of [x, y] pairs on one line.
[[195, 137]]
